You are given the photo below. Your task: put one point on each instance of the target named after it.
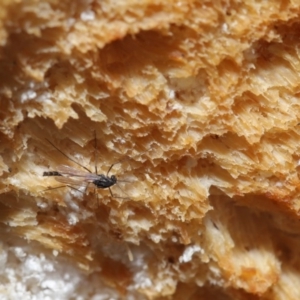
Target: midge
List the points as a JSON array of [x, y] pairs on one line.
[[64, 174]]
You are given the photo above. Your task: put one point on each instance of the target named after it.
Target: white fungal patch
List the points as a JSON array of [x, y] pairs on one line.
[[189, 252]]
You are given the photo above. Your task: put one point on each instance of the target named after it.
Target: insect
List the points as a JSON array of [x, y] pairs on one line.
[[66, 174]]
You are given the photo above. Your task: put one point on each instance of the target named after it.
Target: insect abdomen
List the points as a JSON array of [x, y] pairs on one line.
[[52, 173]]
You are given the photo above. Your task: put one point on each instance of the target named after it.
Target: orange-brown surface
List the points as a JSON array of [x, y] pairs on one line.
[[198, 104]]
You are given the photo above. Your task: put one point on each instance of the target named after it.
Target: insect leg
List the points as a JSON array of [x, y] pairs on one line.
[[111, 167], [71, 187], [95, 154], [54, 188], [62, 186], [71, 159], [86, 187], [97, 197], [111, 192]]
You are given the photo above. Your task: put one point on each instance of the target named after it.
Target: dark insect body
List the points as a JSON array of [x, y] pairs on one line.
[[72, 176], [51, 173]]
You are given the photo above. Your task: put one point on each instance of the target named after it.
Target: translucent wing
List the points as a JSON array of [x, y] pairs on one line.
[[70, 181], [73, 172]]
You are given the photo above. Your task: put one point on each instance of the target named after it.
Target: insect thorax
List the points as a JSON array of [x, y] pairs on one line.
[[105, 181]]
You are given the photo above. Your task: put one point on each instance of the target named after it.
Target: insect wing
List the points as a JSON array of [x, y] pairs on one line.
[[73, 172], [70, 181], [70, 171]]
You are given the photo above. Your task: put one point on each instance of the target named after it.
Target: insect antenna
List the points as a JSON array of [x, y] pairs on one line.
[[119, 162], [126, 159], [111, 193], [71, 159], [117, 185]]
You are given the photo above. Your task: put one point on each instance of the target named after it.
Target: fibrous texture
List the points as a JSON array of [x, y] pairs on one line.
[[193, 106]]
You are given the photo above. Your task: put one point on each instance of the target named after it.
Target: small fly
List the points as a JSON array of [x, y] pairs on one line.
[[72, 176]]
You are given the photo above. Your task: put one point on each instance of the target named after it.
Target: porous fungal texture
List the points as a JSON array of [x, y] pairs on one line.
[[193, 106]]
